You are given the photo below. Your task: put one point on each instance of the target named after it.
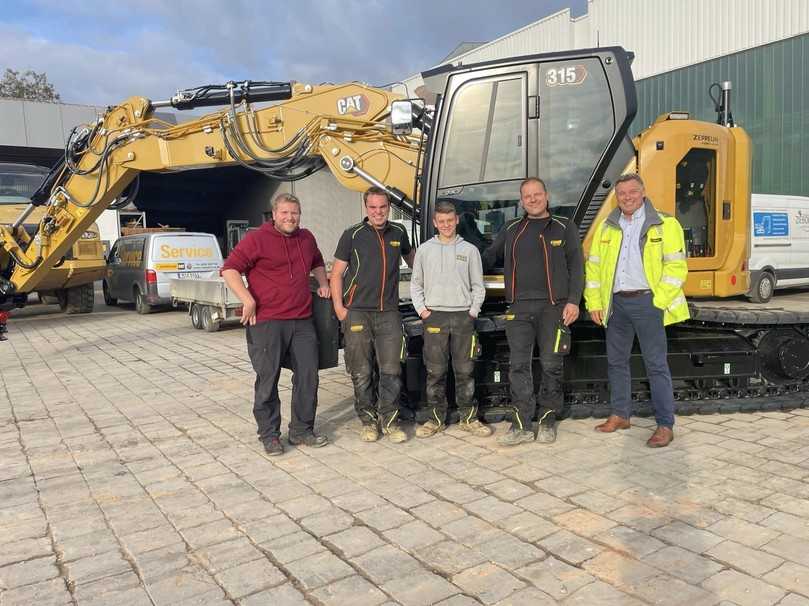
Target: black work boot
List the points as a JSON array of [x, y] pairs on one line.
[[273, 446], [308, 439]]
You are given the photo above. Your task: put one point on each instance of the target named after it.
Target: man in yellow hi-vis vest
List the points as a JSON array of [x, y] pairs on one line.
[[634, 278]]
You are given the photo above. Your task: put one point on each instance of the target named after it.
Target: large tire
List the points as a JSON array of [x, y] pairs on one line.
[[80, 299], [208, 323], [763, 288], [61, 298], [108, 300], [141, 306], [196, 315]]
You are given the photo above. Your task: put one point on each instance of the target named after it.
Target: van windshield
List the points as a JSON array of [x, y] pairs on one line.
[[188, 251]]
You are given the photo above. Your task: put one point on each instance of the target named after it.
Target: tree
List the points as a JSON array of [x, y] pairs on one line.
[[29, 85]]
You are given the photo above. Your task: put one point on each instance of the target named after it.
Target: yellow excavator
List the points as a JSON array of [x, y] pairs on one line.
[[562, 116], [69, 282]]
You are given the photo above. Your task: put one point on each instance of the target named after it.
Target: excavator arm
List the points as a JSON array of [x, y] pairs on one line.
[[342, 126]]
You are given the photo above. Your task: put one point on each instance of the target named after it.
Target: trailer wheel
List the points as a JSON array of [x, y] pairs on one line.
[[763, 288], [196, 316], [208, 323]]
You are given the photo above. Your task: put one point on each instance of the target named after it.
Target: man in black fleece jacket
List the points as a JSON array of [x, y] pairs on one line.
[[544, 276]]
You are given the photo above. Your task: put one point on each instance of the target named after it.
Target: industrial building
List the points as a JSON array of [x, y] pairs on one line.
[[762, 46]]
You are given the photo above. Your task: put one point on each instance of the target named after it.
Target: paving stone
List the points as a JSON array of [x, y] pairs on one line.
[[458, 492], [684, 564], [459, 600], [414, 535], [355, 502], [687, 536], [327, 522], [794, 600], [584, 522], [790, 576], [555, 578], [509, 490], [386, 563], [544, 504], [182, 585], [570, 547], [601, 594], [449, 557], [664, 590], [305, 506], [471, 531], [97, 567], [528, 526], [526, 473], [528, 597], [352, 590], [132, 596], [249, 577], [162, 562], [52, 593], [492, 509], [106, 589], [318, 570], [146, 540], [596, 501], [209, 534], [28, 572], [419, 589], [354, 541], [219, 557], [293, 547], [384, 517], [510, 552], [639, 517], [270, 528], [629, 541], [619, 570], [438, 513], [488, 583], [748, 560], [27, 549], [743, 589], [791, 548], [743, 532], [283, 595]]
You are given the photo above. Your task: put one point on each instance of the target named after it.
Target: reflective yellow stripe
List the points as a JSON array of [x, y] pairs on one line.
[[592, 284], [517, 416], [545, 415], [558, 336], [472, 349], [594, 259], [672, 280], [677, 256], [676, 303], [392, 419], [402, 353]]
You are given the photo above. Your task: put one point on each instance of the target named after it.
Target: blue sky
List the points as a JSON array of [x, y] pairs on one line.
[[102, 52]]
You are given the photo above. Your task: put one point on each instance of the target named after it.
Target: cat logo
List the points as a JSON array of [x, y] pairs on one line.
[[395, 243], [355, 105], [556, 243], [461, 258]]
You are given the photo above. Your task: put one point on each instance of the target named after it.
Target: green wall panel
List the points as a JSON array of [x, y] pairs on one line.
[[770, 100]]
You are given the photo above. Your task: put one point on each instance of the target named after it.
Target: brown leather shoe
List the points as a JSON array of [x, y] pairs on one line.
[[613, 423], [660, 438]]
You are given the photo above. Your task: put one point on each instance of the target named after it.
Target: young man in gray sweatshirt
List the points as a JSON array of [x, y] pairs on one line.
[[447, 291]]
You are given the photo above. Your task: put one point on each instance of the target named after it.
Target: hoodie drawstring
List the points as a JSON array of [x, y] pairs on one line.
[[289, 260]]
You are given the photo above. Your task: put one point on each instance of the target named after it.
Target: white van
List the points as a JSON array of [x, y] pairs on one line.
[[140, 267], [779, 253]]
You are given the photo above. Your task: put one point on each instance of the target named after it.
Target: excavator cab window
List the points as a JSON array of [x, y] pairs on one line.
[[695, 201], [576, 123]]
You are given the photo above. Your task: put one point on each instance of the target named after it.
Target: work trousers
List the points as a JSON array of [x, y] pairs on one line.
[[374, 348], [638, 316], [529, 323], [269, 345], [450, 335]]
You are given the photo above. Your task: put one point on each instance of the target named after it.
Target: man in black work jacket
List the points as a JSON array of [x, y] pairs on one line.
[[365, 283], [544, 276]]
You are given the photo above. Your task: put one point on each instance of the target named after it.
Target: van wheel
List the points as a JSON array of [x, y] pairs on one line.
[[763, 288], [196, 316], [208, 323], [141, 306], [108, 300], [80, 299]]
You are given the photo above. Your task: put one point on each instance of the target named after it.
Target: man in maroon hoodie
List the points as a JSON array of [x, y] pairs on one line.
[[277, 312]]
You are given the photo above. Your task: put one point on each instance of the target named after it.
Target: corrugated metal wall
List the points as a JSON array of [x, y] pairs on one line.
[[770, 100]]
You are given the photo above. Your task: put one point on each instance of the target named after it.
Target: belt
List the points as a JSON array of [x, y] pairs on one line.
[[633, 293]]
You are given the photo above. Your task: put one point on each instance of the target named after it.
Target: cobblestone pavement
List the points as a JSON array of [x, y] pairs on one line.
[[130, 474]]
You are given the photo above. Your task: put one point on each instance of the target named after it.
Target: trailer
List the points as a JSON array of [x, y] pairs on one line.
[[210, 302]]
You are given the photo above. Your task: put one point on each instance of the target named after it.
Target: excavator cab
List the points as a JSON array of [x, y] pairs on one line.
[[561, 116]]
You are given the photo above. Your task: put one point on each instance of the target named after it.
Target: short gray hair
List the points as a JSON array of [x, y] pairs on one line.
[[630, 177], [285, 197]]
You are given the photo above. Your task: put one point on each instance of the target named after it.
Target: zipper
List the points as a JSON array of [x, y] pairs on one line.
[[384, 269], [547, 269], [514, 261]]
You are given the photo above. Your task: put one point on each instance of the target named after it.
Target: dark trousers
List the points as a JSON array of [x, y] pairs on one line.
[[269, 345], [374, 347], [637, 316], [450, 334], [529, 323]]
